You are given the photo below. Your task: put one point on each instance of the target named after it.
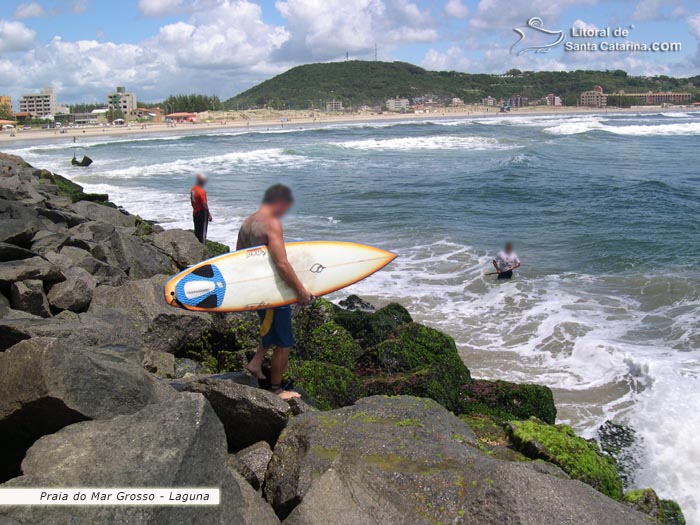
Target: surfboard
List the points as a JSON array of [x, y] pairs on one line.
[[248, 280]]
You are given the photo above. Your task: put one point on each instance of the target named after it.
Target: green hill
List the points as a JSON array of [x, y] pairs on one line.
[[365, 82]]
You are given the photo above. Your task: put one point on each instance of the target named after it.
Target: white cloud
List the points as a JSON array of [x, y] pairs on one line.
[[456, 9], [451, 60], [29, 10], [694, 25], [155, 8], [507, 14], [79, 6], [655, 9], [15, 36]]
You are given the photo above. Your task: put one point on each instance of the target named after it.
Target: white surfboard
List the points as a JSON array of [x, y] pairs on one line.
[[248, 279]]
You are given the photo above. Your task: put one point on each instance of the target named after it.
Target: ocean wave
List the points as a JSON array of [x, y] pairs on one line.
[[690, 128], [427, 143]]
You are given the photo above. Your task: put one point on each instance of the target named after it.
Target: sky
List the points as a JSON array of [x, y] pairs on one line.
[[84, 48]]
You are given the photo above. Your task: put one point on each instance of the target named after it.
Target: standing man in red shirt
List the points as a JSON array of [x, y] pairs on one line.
[[200, 208]]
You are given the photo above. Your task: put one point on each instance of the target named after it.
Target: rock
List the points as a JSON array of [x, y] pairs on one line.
[[408, 460], [353, 302], [140, 305], [507, 401], [18, 224], [161, 364], [182, 246], [48, 384], [99, 212], [645, 501], [75, 254], [61, 217], [330, 343], [10, 252], [442, 382], [47, 241], [372, 329], [34, 268], [305, 319], [184, 366], [299, 406], [179, 443], [104, 273], [215, 248], [256, 457], [672, 513], [29, 296], [558, 444], [619, 442], [249, 414], [75, 293], [329, 386]]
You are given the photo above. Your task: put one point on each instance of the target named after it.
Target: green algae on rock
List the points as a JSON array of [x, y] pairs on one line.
[[558, 444], [330, 343], [216, 248], [663, 511], [508, 401], [329, 386]]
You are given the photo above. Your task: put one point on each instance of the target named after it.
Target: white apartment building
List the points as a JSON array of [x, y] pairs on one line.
[[39, 105], [397, 104], [121, 99]]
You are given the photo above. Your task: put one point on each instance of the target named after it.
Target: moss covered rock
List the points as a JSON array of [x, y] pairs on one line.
[[308, 318], [330, 343], [558, 444], [215, 248], [370, 329], [329, 386], [507, 401], [645, 501], [414, 347], [671, 513]]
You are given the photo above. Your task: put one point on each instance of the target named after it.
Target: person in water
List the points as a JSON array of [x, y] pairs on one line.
[[264, 227], [200, 208], [506, 261]]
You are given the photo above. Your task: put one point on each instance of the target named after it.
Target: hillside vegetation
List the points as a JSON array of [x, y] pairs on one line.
[[364, 82]]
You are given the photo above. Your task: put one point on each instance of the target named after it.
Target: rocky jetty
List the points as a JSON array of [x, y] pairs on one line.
[[105, 385]]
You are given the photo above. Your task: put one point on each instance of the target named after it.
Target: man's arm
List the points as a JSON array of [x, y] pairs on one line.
[[205, 204], [275, 244], [495, 265], [239, 242]]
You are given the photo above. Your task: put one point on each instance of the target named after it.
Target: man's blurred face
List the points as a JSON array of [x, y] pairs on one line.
[[280, 208], [509, 248]]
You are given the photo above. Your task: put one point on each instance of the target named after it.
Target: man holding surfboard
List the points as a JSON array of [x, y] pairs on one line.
[[264, 227]]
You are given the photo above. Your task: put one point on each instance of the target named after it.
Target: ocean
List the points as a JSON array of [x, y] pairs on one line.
[[604, 212]]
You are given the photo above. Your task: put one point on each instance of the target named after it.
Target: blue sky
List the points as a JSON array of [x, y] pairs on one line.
[[83, 48]]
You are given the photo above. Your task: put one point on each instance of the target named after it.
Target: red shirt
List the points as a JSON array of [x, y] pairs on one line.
[[198, 197]]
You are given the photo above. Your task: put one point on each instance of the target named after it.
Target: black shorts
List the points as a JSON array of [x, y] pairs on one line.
[[506, 275], [201, 221]]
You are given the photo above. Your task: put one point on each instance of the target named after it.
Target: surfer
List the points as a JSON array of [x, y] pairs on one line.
[[264, 227], [506, 261], [200, 208]]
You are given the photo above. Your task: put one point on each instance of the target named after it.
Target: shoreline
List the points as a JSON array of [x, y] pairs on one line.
[[305, 121]]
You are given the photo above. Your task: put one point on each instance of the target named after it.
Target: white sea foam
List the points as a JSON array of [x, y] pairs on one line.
[[428, 143], [573, 128]]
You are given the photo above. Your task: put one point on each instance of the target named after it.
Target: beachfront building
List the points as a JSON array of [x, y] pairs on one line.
[[457, 102], [334, 106], [121, 100], [398, 104], [489, 102], [658, 98], [595, 98], [39, 105], [153, 114], [553, 100], [182, 117], [518, 101]]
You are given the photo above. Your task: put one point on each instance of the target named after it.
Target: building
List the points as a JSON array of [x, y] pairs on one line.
[[39, 105], [489, 101], [121, 100], [398, 104], [457, 102], [182, 117], [594, 98], [553, 100], [153, 114], [659, 98], [334, 106], [518, 101]]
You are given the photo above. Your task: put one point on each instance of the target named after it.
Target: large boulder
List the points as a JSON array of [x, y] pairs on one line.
[[558, 444], [46, 241], [29, 296], [329, 386], [373, 328], [75, 293], [507, 401], [181, 245], [249, 414], [10, 252], [329, 343], [18, 223], [34, 268], [99, 212], [48, 384], [408, 460], [141, 305], [179, 443], [256, 458]]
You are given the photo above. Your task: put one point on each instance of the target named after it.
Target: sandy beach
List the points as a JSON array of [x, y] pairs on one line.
[[263, 119]]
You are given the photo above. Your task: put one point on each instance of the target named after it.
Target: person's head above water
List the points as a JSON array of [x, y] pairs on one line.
[[201, 179], [509, 247], [278, 199]]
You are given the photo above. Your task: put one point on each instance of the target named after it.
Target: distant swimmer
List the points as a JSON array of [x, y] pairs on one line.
[[200, 208], [264, 227], [506, 261]]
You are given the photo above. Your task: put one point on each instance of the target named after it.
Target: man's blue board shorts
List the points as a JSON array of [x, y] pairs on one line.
[[276, 327]]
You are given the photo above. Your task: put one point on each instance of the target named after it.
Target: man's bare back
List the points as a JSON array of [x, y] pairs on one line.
[[254, 230]]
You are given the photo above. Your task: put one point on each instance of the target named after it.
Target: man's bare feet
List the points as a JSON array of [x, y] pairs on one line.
[[286, 395], [255, 371]]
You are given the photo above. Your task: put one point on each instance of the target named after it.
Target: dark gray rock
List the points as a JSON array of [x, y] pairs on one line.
[[10, 252], [353, 302], [29, 296], [48, 384], [18, 223], [140, 307], [61, 216], [256, 457], [34, 268], [249, 414], [181, 245], [47, 241], [408, 460], [75, 293], [99, 212], [187, 367], [161, 364], [179, 443], [104, 273]]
